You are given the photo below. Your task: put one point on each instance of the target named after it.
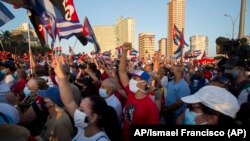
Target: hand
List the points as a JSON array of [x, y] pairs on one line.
[[58, 64], [13, 100], [126, 46]]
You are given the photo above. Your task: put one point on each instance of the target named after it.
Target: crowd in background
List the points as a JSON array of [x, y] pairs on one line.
[[94, 100]]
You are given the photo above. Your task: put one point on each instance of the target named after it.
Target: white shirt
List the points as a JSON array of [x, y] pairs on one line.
[[114, 102], [164, 83], [100, 136]]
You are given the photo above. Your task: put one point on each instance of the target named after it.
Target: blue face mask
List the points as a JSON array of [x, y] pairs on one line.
[[3, 71], [26, 91], [190, 117], [103, 93], [235, 74]]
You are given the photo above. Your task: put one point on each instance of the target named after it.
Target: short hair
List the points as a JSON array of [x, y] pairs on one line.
[[111, 84]]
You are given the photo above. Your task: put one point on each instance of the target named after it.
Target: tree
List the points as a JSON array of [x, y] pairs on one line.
[[5, 37]]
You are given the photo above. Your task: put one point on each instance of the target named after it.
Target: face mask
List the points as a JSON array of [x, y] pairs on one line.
[[26, 91], [3, 71], [80, 119], [132, 85], [190, 117], [103, 93], [235, 74], [15, 75]]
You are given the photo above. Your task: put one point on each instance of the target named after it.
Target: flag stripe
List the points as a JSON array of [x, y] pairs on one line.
[[5, 15]]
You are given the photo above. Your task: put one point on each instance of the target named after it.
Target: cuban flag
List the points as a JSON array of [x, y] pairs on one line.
[[178, 37], [178, 52], [5, 15], [88, 32], [133, 52], [106, 57], [197, 53]]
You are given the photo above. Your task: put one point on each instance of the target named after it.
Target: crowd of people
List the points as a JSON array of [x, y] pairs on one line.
[[88, 99]]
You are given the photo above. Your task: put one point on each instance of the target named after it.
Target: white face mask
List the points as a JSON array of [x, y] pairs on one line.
[[132, 85], [80, 119]]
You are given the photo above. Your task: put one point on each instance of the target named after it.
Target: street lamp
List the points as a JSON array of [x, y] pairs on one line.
[[233, 22]]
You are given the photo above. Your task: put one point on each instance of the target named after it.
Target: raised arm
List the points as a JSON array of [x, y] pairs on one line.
[[63, 83], [122, 66]]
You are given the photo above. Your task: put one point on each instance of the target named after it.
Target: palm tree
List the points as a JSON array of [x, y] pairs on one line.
[[5, 37]]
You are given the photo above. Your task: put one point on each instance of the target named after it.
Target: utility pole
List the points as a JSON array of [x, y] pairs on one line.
[[242, 19]]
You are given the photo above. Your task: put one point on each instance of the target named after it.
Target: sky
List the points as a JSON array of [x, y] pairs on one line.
[[202, 17]]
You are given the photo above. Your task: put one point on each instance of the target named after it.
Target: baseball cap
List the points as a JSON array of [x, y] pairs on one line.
[[142, 74], [235, 61], [216, 98], [53, 94]]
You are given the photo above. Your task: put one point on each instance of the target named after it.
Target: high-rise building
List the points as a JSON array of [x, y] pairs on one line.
[[163, 46], [125, 30], [176, 16], [106, 37], [199, 42], [146, 45], [111, 36], [23, 30]]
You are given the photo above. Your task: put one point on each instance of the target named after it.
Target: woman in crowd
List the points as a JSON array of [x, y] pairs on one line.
[[94, 119]]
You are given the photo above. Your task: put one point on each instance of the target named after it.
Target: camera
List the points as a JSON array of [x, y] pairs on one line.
[[233, 47]]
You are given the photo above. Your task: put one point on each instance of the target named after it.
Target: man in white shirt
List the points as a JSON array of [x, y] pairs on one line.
[[106, 91]]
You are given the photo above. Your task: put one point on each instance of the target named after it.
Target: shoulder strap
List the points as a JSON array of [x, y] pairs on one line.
[[5, 118], [101, 137]]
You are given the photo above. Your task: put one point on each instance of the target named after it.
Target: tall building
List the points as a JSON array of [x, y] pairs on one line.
[[125, 31], [111, 36], [163, 46], [176, 16], [23, 29], [146, 45], [199, 42], [106, 37]]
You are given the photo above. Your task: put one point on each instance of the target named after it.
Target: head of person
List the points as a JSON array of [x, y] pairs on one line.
[[148, 68], [236, 67], [139, 81], [222, 81], [51, 97], [21, 74], [94, 112], [108, 87], [8, 68], [163, 71], [15, 133], [211, 105], [178, 70], [31, 87]]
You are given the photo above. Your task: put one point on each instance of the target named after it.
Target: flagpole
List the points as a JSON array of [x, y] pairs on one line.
[[74, 45], [30, 53], [2, 45], [182, 42]]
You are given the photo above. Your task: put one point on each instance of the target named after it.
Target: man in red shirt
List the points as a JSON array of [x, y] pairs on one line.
[[139, 109]]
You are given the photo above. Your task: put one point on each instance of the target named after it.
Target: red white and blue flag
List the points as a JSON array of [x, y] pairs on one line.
[[88, 32], [133, 52], [5, 15]]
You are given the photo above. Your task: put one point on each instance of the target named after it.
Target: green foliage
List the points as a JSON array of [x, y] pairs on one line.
[[18, 45]]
